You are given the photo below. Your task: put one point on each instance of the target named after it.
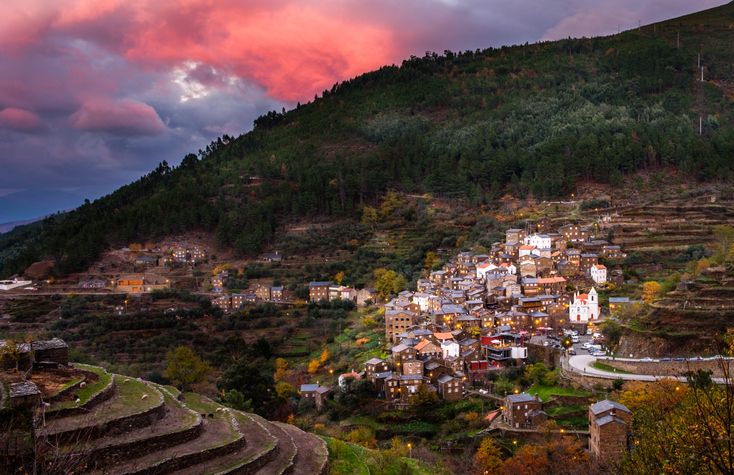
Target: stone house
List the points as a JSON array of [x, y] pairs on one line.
[[374, 366], [24, 394], [316, 393], [520, 411], [610, 424], [450, 388], [54, 351], [397, 322], [318, 291], [403, 352], [427, 349], [412, 367]]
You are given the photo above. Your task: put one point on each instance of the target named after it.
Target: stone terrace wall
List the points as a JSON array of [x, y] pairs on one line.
[[545, 354], [106, 456], [669, 368], [180, 462], [115, 426], [94, 401]]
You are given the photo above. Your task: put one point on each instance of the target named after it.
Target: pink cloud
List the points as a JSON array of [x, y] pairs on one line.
[[20, 119], [117, 117], [292, 49]]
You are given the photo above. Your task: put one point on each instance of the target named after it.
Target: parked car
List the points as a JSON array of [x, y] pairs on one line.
[[647, 359], [571, 351], [575, 338]]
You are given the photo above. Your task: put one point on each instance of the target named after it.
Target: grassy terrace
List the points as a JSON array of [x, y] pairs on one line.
[[570, 416], [180, 418], [608, 368], [546, 392], [66, 386], [355, 459], [261, 448], [203, 405], [127, 400], [85, 394]]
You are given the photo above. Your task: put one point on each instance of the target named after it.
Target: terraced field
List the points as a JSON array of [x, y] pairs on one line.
[[145, 428], [671, 223]]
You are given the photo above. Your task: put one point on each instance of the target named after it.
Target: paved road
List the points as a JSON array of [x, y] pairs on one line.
[[582, 364]]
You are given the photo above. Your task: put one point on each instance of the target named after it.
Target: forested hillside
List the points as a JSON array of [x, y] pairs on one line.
[[533, 119]]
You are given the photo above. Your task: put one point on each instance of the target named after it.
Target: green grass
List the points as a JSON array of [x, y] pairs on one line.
[[202, 405], [130, 394], [66, 386], [608, 368], [85, 394], [199, 404], [546, 392], [419, 428], [366, 421], [564, 410], [579, 422], [355, 459]]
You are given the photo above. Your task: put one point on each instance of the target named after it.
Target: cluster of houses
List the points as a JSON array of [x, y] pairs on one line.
[[236, 301], [178, 254], [329, 291], [23, 357], [187, 255], [478, 311], [527, 283]]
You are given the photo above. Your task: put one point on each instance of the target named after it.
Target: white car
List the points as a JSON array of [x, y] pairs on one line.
[[575, 338], [586, 345]]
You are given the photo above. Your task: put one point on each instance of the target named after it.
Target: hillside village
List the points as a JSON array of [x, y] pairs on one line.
[[480, 314], [471, 319], [472, 328]]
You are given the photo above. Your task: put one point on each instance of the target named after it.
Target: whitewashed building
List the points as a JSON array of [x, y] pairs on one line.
[[598, 273], [541, 241], [584, 308]]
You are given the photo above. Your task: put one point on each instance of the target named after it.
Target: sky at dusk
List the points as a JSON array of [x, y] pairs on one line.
[[93, 94]]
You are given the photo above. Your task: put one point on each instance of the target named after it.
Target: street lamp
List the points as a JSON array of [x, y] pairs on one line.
[[410, 450]]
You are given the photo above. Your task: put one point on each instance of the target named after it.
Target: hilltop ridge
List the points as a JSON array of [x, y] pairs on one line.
[[530, 120]]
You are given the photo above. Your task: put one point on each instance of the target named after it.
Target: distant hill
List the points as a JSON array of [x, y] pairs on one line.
[[5, 227], [529, 120], [20, 205]]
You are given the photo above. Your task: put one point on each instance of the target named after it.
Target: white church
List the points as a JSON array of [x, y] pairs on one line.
[[584, 308]]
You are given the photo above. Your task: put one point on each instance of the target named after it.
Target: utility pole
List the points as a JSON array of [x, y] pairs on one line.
[[701, 73], [700, 125], [677, 42]]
